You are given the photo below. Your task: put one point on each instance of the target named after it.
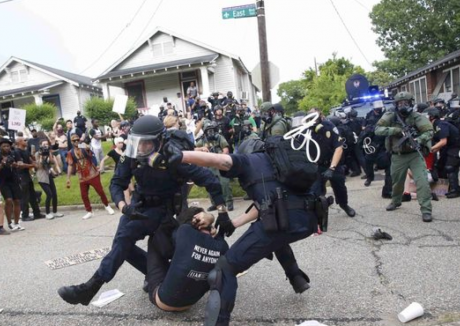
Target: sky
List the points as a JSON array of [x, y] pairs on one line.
[[88, 36]]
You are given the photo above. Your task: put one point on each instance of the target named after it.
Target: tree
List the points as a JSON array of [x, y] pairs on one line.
[[379, 78], [328, 89], [291, 93], [100, 109], [413, 33], [42, 116]]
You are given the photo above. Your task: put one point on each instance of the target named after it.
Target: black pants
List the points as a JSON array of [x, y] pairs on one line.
[[382, 159], [157, 267], [51, 195], [29, 197]]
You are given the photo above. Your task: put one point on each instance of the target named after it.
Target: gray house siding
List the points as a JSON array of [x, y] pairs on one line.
[[34, 77], [145, 55], [224, 79]]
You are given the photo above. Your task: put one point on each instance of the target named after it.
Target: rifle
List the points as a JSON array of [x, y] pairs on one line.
[[409, 134]]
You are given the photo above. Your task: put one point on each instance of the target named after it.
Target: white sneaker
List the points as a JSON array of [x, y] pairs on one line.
[[58, 214], [17, 227], [88, 215], [13, 227], [109, 210], [49, 216]]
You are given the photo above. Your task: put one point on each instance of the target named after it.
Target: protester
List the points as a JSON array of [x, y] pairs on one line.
[[9, 184], [81, 160], [62, 143], [45, 176], [2, 218]]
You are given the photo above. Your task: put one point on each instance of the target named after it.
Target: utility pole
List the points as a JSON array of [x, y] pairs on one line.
[[264, 66]]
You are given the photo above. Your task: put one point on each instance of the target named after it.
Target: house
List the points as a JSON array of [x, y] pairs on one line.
[[441, 78], [163, 66], [24, 82]]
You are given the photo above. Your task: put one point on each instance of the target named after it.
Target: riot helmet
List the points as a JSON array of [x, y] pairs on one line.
[[420, 107], [433, 114], [439, 102], [352, 114], [404, 103], [251, 145], [278, 108], [230, 94], [210, 130], [267, 110], [145, 138]]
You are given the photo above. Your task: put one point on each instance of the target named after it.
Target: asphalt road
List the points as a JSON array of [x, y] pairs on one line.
[[355, 280]]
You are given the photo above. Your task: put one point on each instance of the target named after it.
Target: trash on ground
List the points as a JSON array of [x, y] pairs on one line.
[[378, 234], [106, 297]]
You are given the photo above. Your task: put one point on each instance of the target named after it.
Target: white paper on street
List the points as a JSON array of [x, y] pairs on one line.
[[107, 297], [311, 323]]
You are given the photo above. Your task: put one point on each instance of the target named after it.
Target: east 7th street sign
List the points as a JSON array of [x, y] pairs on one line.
[[244, 11]]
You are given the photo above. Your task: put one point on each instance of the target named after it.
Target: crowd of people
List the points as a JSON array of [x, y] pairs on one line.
[[282, 163]]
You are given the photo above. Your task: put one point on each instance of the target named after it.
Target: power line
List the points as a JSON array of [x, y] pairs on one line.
[[362, 5], [5, 1], [147, 25], [349, 33], [116, 38]]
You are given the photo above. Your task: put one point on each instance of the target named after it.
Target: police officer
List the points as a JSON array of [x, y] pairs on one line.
[[229, 104], [347, 129], [404, 156], [223, 123], [214, 143], [274, 124], [248, 131], [329, 167], [440, 104], [214, 99], [80, 122], [155, 200], [446, 141], [453, 116], [263, 237]]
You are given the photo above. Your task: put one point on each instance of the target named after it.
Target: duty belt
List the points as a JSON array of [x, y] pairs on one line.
[[152, 201], [306, 204]]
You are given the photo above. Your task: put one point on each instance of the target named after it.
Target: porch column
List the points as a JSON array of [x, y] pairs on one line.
[[205, 82], [105, 90], [38, 99]]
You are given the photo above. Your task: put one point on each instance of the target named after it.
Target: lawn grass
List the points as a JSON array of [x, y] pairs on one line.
[[72, 196]]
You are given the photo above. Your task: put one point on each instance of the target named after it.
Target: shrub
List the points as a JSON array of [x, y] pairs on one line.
[[100, 109], [40, 115]]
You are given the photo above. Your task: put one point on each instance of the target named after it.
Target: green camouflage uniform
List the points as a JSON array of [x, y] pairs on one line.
[[217, 146], [404, 157], [278, 127]]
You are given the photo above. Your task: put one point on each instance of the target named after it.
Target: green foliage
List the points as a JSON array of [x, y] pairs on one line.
[[413, 33], [379, 78], [291, 93], [43, 115], [98, 108], [328, 89]]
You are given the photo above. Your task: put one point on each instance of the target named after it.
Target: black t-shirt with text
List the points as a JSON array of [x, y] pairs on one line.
[[195, 255]]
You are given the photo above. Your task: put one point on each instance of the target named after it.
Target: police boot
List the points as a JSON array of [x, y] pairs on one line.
[[453, 183], [392, 206], [82, 293], [350, 211], [426, 217], [368, 182], [300, 282]]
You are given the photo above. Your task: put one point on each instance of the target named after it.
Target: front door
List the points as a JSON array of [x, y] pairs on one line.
[[136, 90], [55, 100]]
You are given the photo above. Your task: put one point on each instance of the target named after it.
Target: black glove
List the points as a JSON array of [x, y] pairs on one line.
[[132, 212], [225, 224], [173, 154], [328, 174]]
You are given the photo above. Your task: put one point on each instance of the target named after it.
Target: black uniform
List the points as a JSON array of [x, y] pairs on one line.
[[9, 178], [156, 188], [449, 160], [327, 136], [256, 244], [80, 122], [27, 187], [182, 281]]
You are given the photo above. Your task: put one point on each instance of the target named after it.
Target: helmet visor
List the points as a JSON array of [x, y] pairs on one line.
[[141, 146]]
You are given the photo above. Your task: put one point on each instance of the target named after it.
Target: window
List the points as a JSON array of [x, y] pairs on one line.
[[452, 81], [18, 76], [418, 89], [161, 49], [188, 74], [404, 88]]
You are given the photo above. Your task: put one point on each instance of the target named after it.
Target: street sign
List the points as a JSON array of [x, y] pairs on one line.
[[244, 11]]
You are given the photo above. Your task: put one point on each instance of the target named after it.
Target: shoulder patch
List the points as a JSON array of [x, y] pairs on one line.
[[328, 134]]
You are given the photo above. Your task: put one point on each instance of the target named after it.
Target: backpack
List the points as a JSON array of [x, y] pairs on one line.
[[288, 121], [292, 167]]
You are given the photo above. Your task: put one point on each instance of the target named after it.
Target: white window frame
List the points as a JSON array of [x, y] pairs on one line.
[[451, 71], [18, 71], [419, 100]]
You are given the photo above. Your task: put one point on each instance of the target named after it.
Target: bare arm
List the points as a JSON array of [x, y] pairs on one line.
[[246, 217], [440, 144], [219, 161], [337, 156]]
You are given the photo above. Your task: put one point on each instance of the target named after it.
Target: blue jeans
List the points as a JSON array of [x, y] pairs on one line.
[[63, 153]]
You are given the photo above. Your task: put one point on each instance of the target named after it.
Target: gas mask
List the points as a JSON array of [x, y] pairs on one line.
[[211, 134], [405, 110]]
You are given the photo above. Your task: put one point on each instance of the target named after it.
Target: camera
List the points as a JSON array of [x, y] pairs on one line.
[[9, 161], [44, 151]]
